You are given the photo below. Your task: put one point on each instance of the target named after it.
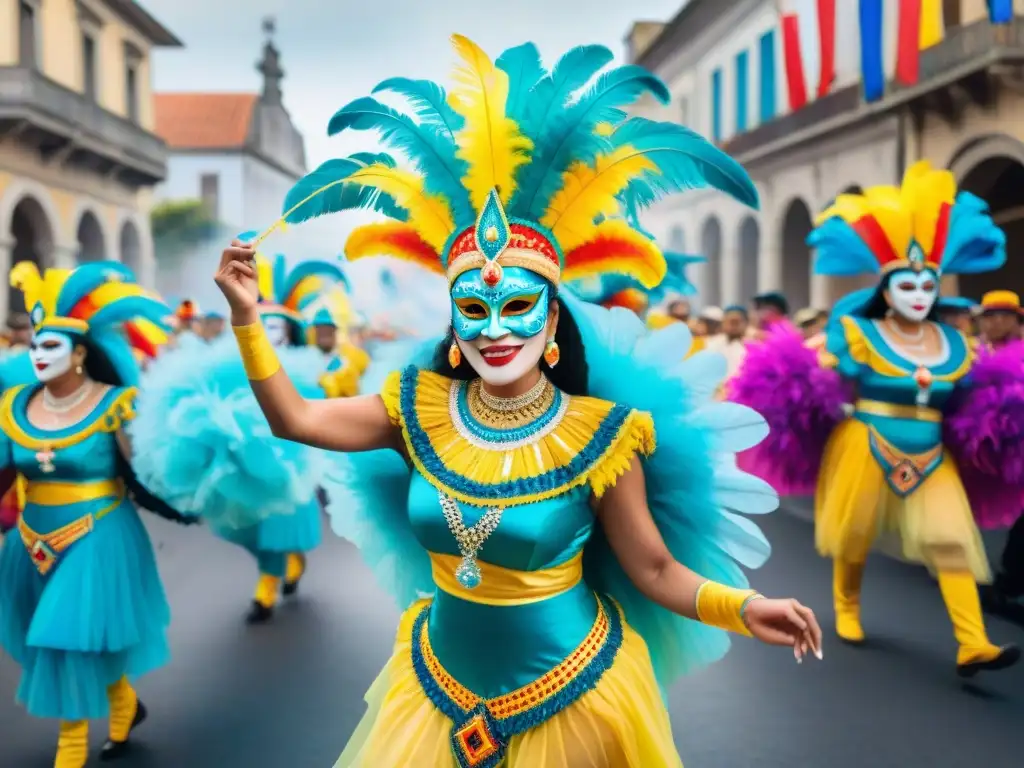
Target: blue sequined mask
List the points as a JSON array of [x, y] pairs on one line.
[[518, 305]]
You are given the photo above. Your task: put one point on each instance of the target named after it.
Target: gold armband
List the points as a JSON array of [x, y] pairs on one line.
[[258, 355], [723, 607]]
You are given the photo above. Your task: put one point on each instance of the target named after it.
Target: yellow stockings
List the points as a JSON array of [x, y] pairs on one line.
[[267, 590], [124, 704], [846, 584], [73, 744], [960, 592]]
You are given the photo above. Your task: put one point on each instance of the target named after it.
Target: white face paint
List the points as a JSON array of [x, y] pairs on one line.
[[506, 359], [277, 331], [913, 294], [51, 355]]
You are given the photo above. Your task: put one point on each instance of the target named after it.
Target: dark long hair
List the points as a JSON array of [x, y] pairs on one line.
[[97, 364], [877, 307], [570, 375]]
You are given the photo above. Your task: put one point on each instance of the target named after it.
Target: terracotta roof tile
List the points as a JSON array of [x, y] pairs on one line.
[[204, 120]]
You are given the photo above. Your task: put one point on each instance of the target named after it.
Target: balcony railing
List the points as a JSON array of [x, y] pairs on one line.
[[69, 119]]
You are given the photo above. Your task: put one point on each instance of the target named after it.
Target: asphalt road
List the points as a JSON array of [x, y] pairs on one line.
[[287, 695]]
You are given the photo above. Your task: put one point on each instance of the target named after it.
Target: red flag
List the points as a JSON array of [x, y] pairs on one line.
[[792, 57], [908, 52], [827, 40]]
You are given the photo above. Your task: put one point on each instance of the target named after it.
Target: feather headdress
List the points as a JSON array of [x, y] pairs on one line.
[[923, 224], [516, 166], [91, 302]]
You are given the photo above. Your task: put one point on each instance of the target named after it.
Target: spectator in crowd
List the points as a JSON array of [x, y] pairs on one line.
[[731, 342], [679, 309], [212, 326], [19, 332], [709, 322], [958, 312], [811, 323], [1001, 318], [770, 308]]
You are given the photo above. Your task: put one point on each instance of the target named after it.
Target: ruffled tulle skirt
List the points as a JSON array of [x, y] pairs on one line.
[[98, 615], [854, 505], [620, 723]]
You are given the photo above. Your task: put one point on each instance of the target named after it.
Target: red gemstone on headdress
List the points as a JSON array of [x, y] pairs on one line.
[[491, 273]]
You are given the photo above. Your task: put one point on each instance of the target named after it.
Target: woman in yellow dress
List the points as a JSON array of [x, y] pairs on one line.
[[517, 477]]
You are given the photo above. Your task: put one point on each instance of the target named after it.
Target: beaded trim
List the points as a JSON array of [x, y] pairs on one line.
[[481, 728], [502, 440]]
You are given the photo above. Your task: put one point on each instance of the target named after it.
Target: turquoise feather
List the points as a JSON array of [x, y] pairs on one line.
[[840, 251], [306, 269], [130, 308], [684, 160], [523, 66], [248, 236], [551, 93], [428, 149], [87, 278], [430, 102], [279, 272], [341, 196], [975, 244], [571, 135]]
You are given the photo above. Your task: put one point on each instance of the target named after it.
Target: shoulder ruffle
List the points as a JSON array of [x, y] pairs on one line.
[[114, 411], [588, 441]]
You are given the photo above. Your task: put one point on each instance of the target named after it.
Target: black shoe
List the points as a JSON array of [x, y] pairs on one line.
[[999, 602], [113, 750], [259, 614], [291, 587], [1009, 656]]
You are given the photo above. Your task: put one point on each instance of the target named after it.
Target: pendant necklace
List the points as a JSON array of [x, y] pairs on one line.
[[469, 539], [57, 407]]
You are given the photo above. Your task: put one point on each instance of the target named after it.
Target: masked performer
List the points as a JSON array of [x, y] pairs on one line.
[[528, 511], [886, 468], [82, 608], [203, 444]]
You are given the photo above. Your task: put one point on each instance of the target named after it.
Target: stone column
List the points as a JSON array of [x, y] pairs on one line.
[[63, 256], [6, 252], [729, 275]]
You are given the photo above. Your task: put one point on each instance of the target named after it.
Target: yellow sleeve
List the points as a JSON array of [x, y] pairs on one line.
[[391, 394]]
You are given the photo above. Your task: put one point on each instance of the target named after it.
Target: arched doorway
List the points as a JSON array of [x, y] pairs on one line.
[[131, 248], [711, 248], [750, 251], [999, 181], [677, 240], [33, 241], [796, 255], [90, 239]]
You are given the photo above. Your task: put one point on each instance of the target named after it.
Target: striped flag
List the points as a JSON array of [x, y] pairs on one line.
[[920, 27], [809, 48], [872, 51]]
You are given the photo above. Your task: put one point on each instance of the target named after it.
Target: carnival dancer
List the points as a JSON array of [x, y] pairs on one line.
[[1002, 320], [525, 433], [958, 312], [889, 467], [203, 444], [82, 609]]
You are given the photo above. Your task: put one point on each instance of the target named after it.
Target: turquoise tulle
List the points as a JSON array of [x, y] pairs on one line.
[[696, 494], [16, 369], [300, 531], [203, 445]]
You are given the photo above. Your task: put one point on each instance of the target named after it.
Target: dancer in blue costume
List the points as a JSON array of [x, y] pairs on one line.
[[518, 478], [204, 446], [82, 608]]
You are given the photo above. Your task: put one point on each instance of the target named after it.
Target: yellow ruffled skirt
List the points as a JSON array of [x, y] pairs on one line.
[[854, 505], [620, 723]]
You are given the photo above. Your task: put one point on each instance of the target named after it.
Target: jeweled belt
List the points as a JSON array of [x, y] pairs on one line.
[[904, 472], [481, 728], [45, 549]]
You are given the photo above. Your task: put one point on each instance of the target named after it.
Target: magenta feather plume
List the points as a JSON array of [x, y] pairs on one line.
[[984, 430], [802, 402]]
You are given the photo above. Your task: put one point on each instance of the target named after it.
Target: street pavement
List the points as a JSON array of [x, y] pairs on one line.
[[288, 694]]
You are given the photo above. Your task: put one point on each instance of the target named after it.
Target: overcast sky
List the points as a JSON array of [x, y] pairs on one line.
[[336, 51]]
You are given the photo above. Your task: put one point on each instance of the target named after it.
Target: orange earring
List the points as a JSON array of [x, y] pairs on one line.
[[552, 354], [454, 355]]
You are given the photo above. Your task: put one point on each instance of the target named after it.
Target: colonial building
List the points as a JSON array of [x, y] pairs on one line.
[[723, 61], [78, 155], [239, 153]]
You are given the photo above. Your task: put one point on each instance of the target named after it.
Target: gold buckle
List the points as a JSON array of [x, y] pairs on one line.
[[475, 741], [42, 556]]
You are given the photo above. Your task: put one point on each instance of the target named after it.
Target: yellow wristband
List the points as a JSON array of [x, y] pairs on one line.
[[721, 606], [258, 355]]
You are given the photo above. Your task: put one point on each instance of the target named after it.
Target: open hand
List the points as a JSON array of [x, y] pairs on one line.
[[784, 622], [236, 278]]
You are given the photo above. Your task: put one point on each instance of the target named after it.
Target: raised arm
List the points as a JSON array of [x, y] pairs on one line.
[[647, 561], [347, 424]]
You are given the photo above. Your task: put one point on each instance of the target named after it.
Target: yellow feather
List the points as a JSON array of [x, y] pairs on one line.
[[430, 216], [110, 292], [604, 129], [265, 277], [925, 190], [26, 278], [490, 142], [151, 331], [588, 192], [306, 286]]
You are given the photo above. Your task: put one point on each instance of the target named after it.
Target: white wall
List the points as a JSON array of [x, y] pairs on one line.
[[185, 170]]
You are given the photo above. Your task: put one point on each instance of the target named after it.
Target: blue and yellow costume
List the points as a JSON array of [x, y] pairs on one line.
[[82, 608], [886, 469], [536, 650]]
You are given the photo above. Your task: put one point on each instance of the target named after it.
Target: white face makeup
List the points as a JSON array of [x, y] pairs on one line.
[[277, 330], [503, 360], [51, 355], [913, 294]]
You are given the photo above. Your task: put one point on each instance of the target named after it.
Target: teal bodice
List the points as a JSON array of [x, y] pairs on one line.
[[494, 649], [884, 375], [85, 453]]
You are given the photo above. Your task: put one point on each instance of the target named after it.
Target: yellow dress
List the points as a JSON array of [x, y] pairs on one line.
[[531, 668]]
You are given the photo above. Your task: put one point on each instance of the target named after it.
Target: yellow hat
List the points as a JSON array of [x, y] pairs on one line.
[[1001, 301]]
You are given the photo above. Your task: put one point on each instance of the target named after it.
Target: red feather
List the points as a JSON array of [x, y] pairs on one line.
[[616, 249], [392, 239], [84, 309], [139, 341]]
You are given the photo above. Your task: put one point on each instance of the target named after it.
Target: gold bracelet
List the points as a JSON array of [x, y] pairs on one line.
[[724, 607], [258, 355]]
